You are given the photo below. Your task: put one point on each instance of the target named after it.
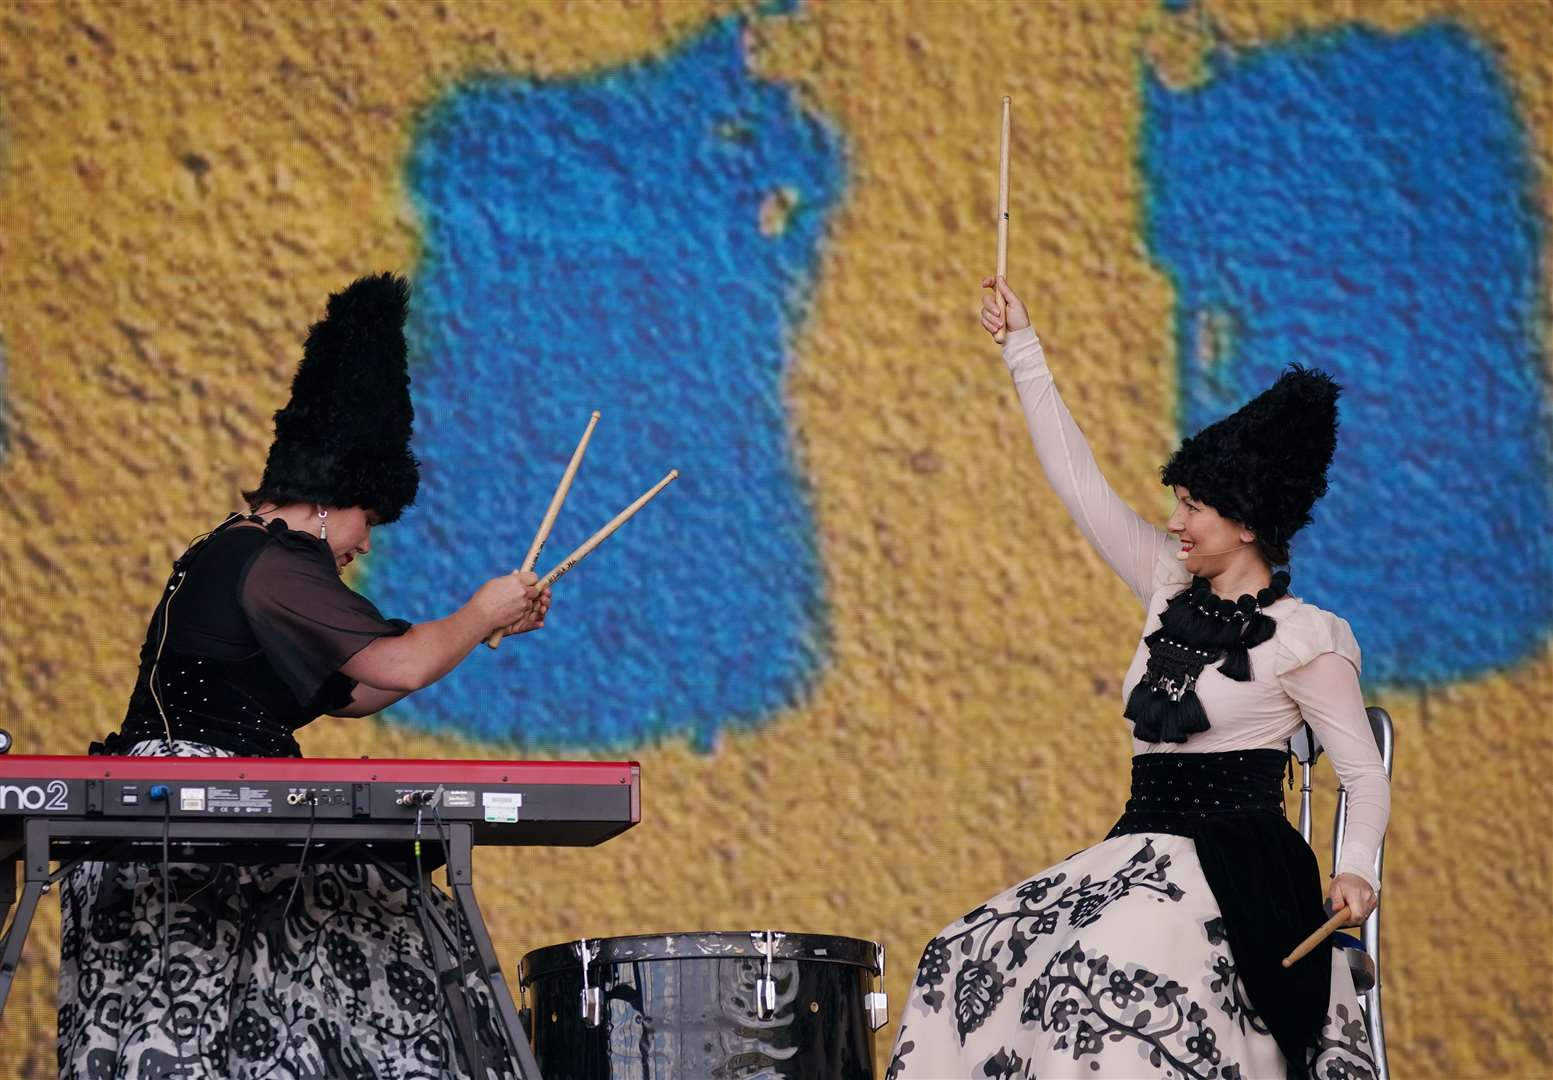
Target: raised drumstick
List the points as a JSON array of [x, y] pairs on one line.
[[604, 534], [550, 513], [1338, 918], [1002, 335], [560, 495]]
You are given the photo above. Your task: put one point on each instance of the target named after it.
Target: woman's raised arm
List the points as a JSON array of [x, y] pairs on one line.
[[1128, 543]]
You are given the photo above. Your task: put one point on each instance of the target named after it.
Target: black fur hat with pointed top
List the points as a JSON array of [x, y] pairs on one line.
[[1265, 464], [344, 437]]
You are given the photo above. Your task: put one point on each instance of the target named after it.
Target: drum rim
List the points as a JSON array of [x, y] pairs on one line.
[[734, 944]]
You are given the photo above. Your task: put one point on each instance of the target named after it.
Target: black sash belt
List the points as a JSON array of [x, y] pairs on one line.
[[1262, 873]]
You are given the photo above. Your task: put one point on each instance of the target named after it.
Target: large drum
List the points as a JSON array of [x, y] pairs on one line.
[[742, 1006]]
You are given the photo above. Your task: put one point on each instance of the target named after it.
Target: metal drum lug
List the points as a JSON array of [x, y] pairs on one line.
[[592, 1000], [765, 997], [765, 986], [877, 1005], [876, 1002]]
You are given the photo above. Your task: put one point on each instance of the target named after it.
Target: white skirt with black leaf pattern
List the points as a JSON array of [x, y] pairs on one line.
[[1113, 965], [339, 986]]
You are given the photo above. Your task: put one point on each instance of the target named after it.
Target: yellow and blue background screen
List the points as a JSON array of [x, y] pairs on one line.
[[869, 667]]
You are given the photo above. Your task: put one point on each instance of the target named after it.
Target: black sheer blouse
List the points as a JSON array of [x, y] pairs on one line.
[[253, 627]]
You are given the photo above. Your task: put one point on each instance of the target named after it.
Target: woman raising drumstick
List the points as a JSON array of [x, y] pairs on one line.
[[1158, 952]]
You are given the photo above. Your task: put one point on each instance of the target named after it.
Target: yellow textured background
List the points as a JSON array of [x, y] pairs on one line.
[[182, 183]]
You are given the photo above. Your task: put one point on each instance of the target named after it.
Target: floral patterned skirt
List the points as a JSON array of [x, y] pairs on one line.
[[338, 985], [1112, 964]]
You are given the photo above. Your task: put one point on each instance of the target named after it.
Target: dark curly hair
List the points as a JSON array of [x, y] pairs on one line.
[[344, 437], [1265, 465]]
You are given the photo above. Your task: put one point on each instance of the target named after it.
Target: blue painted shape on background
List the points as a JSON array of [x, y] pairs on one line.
[[1365, 203], [597, 243]]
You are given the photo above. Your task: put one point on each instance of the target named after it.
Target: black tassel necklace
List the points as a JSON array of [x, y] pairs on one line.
[[1196, 629]]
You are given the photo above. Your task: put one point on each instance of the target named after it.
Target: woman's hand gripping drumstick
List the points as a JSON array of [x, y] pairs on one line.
[[1326, 929], [604, 534], [1002, 311], [1002, 271], [546, 525]]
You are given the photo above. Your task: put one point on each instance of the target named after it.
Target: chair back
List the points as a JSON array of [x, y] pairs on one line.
[[1306, 748]]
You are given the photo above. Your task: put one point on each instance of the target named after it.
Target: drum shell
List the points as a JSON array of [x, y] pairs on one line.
[[688, 1011]]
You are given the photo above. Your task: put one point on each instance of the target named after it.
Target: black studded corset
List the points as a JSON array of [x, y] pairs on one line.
[[1232, 782]]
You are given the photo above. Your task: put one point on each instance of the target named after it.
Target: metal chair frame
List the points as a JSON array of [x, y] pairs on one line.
[[1307, 748]]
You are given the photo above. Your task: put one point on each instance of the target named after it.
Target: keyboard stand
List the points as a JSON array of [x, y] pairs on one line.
[[71, 841]]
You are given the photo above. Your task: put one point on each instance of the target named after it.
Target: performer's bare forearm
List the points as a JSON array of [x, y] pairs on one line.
[[420, 657]]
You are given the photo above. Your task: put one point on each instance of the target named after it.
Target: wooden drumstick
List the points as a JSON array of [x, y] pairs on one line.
[[1338, 918], [604, 534], [1002, 335], [550, 513], [560, 495], [553, 510]]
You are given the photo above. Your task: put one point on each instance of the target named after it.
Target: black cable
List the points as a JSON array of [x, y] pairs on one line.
[[296, 883], [243, 929], [167, 912], [180, 568], [167, 893], [461, 931], [307, 842], [424, 922]]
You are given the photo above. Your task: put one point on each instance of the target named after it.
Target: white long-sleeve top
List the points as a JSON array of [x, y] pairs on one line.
[[1308, 671]]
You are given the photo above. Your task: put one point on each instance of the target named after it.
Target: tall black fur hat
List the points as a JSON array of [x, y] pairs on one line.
[[344, 437], [1265, 465]]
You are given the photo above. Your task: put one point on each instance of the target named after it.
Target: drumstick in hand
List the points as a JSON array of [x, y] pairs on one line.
[[560, 495], [1002, 335], [550, 513], [1338, 918], [604, 534]]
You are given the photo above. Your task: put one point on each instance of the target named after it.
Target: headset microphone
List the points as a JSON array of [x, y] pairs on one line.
[[1183, 554]]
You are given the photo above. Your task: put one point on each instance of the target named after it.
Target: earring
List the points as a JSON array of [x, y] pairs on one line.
[[323, 525]]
